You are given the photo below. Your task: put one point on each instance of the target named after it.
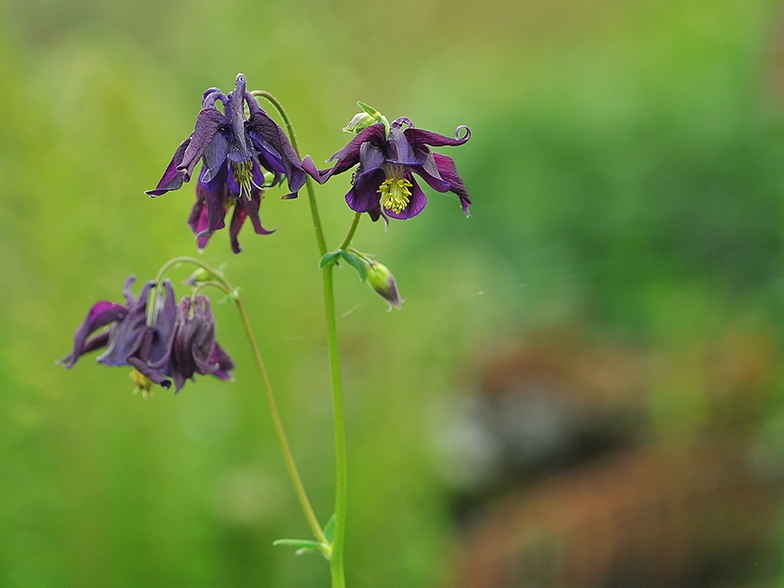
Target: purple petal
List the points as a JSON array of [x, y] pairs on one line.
[[418, 137], [239, 143], [216, 208], [269, 130], [225, 363], [258, 173], [218, 179], [172, 179], [310, 168], [448, 171], [127, 334], [101, 314], [348, 157], [203, 340], [237, 219], [197, 220], [129, 297], [215, 156], [364, 195], [252, 210], [434, 180], [209, 122], [371, 157], [400, 151], [165, 318], [211, 95], [269, 156]]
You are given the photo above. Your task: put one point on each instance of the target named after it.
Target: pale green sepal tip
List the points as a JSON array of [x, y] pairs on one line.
[[377, 117], [359, 123]]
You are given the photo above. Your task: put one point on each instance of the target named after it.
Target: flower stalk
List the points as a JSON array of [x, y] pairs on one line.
[[223, 284], [336, 566]]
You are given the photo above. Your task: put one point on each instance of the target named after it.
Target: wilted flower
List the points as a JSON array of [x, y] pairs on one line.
[[195, 350], [236, 150], [384, 183], [130, 341]]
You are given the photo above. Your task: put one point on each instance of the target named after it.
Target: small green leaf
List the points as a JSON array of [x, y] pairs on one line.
[[329, 529], [356, 263], [328, 258], [369, 109], [303, 545]]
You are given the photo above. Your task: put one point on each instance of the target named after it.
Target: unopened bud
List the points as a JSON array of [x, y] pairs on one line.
[[200, 275], [382, 281], [360, 122]]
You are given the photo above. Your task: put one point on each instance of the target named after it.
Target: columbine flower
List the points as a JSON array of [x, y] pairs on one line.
[[195, 350], [384, 184], [129, 341], [236, 150]]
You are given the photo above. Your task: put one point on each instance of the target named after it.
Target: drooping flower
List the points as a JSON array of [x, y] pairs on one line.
[[130, 340], [236, 151], [383, 183], [194, 349], [179, 344]]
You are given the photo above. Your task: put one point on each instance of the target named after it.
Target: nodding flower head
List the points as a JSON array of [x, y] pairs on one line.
[[130, 340], [383, 183], [174, 342], [241, 154]]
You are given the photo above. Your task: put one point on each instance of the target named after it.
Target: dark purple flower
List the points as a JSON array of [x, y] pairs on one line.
[[130, 340], [383, 183], [194, 349], [236, 151]]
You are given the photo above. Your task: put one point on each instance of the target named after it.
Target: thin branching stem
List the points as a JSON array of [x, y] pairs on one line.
[[336, 561], [223, 284]]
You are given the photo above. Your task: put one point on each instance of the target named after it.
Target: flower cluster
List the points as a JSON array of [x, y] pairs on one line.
[[178, 343], [236, 151], [243, 154]]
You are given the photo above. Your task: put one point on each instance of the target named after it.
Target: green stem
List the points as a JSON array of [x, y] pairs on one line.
[[338, 541], [336, 560], [278, 424], [352, 229], [223, 284], [314, 213]]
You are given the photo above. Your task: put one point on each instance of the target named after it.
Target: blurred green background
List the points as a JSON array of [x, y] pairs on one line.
[[626, 169]]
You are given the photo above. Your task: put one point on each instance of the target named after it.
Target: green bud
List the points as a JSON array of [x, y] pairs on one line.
[[364, 119], [360, 122], [382, 281], [200, 275]]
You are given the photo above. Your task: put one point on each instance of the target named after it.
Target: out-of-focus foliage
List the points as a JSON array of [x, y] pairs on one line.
[[626, 173]]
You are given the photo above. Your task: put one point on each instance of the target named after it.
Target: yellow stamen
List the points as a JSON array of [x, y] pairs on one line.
[[141, 382], [394, 190], [243, 175]]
